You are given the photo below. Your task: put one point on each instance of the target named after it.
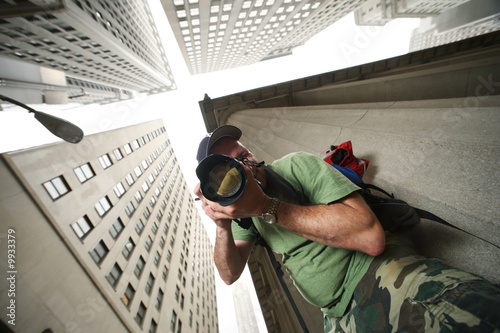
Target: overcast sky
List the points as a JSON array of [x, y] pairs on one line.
[[339, 46]]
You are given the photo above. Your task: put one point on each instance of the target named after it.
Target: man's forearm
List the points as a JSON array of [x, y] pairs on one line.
[[227, 258], [348, 224]]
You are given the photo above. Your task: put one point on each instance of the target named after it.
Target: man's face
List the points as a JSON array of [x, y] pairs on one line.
[[233, 148]]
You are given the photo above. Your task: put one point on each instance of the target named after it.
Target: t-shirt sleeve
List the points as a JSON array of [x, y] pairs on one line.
[[240, 233], [317, 180]]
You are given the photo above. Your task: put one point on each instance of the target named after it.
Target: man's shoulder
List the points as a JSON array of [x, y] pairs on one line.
[[296, 157]]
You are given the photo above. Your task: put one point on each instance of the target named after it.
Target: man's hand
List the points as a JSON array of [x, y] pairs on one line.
[[253, 202]]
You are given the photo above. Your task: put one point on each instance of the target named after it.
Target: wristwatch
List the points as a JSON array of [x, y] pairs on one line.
[[269, 216]]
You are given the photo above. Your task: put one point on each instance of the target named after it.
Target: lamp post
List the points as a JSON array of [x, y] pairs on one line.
[[59, 127]]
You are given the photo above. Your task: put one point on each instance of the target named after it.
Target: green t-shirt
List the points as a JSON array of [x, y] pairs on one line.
[[325, 276]]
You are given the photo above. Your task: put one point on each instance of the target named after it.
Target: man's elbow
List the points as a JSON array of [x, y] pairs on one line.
[[375, 244]]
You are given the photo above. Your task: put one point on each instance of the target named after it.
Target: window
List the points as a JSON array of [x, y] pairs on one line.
[[128, 248], [57, 187], [137, 171], [99, 252], [119, 189], [151, 178], [159, 299], [154, 228], [141, 312], [139, 267], [147, 213], [148, 243], [116, 228], [165, 272], [149, 283], [118, 154], [103, 206], [105, 161], [177, 292], [152, 202], [145, 187], [130, 209], [157, 258], [114, 275], [136, 144], [154, 325], [82, 227], [138, 196], [139, 227], [128, 295], [144, 164], [173, 321], [128, 148], [84, 172], [129, 179]]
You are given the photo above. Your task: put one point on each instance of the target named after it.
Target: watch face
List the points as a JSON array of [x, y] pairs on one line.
[[269, 218]]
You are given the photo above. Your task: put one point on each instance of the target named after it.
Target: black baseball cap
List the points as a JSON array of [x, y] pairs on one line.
[[219, 133]]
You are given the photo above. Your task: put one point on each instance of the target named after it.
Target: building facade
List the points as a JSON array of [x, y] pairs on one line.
[[427, 121], [379, 12], [108, 238], [105, 49], [216, 35]]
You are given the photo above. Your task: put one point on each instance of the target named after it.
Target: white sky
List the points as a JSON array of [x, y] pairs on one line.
[[339, 46]]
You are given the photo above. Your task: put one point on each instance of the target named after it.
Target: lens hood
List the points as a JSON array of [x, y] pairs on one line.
[[222, 179]]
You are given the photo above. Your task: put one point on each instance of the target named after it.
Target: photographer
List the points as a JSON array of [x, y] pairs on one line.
[[336, 250]]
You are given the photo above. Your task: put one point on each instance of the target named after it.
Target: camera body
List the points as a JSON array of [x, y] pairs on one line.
[[222, 178]]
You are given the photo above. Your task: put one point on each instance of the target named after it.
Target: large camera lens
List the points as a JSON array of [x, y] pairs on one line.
[[222, 179]]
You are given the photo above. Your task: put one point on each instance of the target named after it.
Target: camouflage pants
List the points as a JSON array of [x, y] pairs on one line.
[[403, 292]]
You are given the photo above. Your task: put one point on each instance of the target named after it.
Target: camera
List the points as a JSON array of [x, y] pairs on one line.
[[222, 178]]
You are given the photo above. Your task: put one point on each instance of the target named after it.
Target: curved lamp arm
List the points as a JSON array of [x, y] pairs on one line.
[[59, 127]]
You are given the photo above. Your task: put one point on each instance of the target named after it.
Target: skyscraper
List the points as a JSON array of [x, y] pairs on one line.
[[107, 238], [107, 47], [216, 35]]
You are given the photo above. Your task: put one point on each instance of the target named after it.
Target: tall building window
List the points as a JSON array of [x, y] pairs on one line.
[[138, 171], [129, 179], [128, 248], [84, 172], [165, 272], [103, 206], [157, 258], [128, 295], [159, 299], [139, 267], [99, 252], [173, 321], [119, 189], [128, 148], [148, 243], [149, 283], [153, 327], [82, 227], [136, 144], [105, 161], [141, 312], [116, 228], [139, 227], [144, 164], [118, 154], [130, 209], [138, 196], [115, 274], [57, 187]]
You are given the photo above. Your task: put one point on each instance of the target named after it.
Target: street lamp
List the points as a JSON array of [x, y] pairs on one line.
[[59, 127]]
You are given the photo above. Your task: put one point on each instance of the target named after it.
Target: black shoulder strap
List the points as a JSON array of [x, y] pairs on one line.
[[423, 214]]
